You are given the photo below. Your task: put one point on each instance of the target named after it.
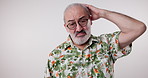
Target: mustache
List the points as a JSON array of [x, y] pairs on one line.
[[82, 31]]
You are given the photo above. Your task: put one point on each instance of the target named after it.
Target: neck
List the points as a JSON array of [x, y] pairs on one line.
[[82, 46]]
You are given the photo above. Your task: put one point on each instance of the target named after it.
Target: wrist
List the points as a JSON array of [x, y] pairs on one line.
[[103, 13]]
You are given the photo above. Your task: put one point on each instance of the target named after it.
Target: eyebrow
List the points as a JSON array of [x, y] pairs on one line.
[[82, 17], [70, 20], [78, 19]]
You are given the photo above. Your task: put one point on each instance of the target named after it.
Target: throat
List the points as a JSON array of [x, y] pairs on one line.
[[82, 46]]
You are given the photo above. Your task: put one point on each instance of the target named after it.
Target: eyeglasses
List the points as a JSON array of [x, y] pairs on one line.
[[82, 22]]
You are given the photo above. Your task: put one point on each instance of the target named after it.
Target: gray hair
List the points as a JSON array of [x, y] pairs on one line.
[[76, 4]]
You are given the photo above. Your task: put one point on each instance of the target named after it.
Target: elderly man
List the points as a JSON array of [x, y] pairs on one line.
[[83, 55]]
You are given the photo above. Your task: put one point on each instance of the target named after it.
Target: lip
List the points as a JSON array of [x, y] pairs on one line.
[[82, 34]]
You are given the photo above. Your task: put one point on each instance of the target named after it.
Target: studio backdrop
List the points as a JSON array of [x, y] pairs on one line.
[[31, 29]]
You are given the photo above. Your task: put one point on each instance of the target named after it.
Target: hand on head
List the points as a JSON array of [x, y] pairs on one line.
[[95, 12]]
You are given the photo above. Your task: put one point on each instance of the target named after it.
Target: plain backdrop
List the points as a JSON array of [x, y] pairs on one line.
[[31, 29]]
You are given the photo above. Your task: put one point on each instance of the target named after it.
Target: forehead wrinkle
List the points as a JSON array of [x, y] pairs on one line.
[[81, 17], [70, 16], [75, 14]]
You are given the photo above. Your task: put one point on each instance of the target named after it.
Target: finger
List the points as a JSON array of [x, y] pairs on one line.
[[87, 5], [84, 4]]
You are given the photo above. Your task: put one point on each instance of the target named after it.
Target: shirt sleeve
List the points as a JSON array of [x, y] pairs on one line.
[[48, 70], [52, 64], [114, 47], [47, 73]]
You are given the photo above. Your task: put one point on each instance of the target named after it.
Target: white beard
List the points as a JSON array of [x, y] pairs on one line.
[[81, 40]]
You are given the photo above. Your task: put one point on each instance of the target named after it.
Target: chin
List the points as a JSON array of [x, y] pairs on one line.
[[81, 40]]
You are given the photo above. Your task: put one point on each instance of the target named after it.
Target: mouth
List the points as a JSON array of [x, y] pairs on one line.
[[81, 34]]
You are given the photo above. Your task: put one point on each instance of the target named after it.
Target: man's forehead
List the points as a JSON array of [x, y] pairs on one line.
[[75, 12]]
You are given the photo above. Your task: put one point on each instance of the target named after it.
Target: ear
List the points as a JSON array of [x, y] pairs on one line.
[[66, 27], [91, 20]]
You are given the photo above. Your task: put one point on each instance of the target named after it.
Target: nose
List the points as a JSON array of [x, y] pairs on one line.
[[79, 28]]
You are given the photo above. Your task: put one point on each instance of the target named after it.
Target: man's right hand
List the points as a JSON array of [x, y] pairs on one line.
[[95, 12]]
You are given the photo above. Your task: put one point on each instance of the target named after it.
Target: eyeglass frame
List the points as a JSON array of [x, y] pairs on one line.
[[85, 18]]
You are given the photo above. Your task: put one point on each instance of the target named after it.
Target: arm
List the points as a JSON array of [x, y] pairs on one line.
[[130, 27]]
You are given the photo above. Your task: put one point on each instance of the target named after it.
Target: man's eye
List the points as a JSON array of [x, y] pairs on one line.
[[84, 20], [71, 24]]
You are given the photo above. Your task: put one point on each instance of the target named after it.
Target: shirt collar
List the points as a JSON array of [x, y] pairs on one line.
[[92, 39]]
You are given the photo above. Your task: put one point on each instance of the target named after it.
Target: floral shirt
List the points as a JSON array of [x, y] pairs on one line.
[[95, 61]]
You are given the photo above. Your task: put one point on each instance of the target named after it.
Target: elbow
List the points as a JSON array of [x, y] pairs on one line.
[[145, 27], [139, 29], [142, 28]]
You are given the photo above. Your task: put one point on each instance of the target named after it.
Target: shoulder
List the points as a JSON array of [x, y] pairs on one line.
[[59, 49], [109, 36]]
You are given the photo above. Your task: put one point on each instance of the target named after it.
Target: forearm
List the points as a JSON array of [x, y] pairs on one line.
[[130, 27], [125, 23]]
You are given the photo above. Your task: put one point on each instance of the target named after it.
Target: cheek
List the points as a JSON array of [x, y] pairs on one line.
[[86, 28], [89, 24], [71, 31]]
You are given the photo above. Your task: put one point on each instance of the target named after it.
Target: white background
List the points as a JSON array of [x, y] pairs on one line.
[[31, 29]]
